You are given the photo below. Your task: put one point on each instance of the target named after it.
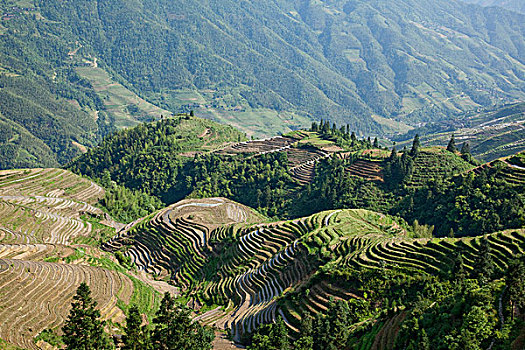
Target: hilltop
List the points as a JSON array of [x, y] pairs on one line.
[[300, 173]]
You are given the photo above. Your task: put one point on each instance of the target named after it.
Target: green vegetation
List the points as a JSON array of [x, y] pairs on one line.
[[46, 109], [50, 337], [275, 76], [126, 108], [83, 329], [175, 329], [152, 157], [491, 133], [415, 183], [126, 205], [68, 79], [416, 313]]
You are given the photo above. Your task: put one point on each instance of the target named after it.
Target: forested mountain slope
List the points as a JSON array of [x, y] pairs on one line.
[[339, 60], [46, 109], [514, 5], [73, 68], [343, 60]]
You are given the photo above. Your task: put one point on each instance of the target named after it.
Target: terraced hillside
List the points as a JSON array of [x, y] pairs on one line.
[[38, 295], [249, 274], [511, 169], [174, 242], [301, 156], [492, 133], [435, 163], [43, 214], [48, 206]]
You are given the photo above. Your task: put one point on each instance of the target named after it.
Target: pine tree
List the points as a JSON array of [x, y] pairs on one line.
[[451, 147], [135, 336], [465, 152], [484, 263], [376, 143], [280, 335], [465, 149], [393, 154], [175, 329], [83, 330], [416, 145], [459, 269]]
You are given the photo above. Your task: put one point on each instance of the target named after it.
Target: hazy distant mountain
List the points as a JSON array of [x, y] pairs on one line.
[[514, 5]]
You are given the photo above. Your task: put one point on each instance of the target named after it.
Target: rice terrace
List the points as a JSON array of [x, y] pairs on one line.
[[262, 175], [235, 268]]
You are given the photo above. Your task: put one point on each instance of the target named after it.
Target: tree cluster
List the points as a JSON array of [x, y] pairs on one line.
[[173, 327]]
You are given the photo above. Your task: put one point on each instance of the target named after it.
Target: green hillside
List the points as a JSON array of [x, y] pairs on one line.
[[46, 109], [491, 133], [291, 62], [245, 275], [348, 58], [303, 172], [384, 282], [80, 70]]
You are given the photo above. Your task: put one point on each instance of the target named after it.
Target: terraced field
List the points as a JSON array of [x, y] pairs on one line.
[[243, 268], [301, 162], [47, 206], [42, 213], [49, 183], [429, 165], [246, 272], [38, 295], [508, 169], [366, 169], [258, 147], [416, 256], [235, 268]]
